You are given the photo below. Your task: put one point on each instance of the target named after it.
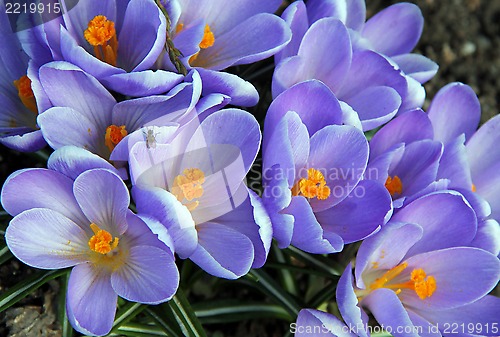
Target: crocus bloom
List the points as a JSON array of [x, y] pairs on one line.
[[214, 35], [111, 40], [429, 278], [312, 167], [192, 181], [365, 80], [393, 33], [74, 215], [86, 115], [18, 107]]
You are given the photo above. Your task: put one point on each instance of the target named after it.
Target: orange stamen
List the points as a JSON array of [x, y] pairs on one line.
[[114, 134], [102, 242], [314, 186], [23, 86], [394, 185], [101, 34]]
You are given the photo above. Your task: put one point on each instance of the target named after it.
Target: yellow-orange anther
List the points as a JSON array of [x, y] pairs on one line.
[[188, 186], [394, 185], [423, 285], [101, 34], [114, 134], [314, 186], [23, 86], [102, 242], [208, 39], [473, 188]]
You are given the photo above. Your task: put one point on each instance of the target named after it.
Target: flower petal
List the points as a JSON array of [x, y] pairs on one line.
[[308, 234], [463, 275], [314, 322], [104, 199], [149, 276], [142, 83], [41, 188], [295, 15], [488, 236], [223, 251], [454, 110], [433, 212], [44, 238], [417, 66], [395, 30], [91, 301], [358, 215], [245, 43]]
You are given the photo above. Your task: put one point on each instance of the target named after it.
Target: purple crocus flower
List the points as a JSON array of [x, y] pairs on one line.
[[75, 214], [214, 35], [393, 33], [312, 170], [365, 80], [317, 323], [191, 179], [85, 114], [18, 107], [111, 40], [430, 278]]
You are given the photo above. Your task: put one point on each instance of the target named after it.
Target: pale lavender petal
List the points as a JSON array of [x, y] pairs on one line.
[[358, 215], [63, 126], [141, 41], [347, 302], [424, 326], [454, 110], [488, 236], [148, 276], [251, 219], [28, 142], [479, 318], [341, 153], [222, 251], [91, 301], [388, 310], [417, 66], [478, 203], [165, 208], [44, 238], [295, 15], [395, 30], [72, 161], [433, 213], [68, 86], [145, 231], [41, 188], [351, 12], [142, 83], [242, 92], [314, 322], [378, 252], [287, 146], [406, 128], [316, 59], [375, 106], [103, 198], [454, 165], [313, 102], [244, 43], [307, 232], [463, 275]]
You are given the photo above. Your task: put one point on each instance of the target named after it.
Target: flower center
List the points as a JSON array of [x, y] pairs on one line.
[[23, 86], [394, 185], [423, 285], [314, 186], [102, 242], [114, 134], [188, 186], [101, 34], [207, 41], [473, 188]]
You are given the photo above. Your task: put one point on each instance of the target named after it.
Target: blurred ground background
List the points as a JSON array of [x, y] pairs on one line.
[[462, 36]]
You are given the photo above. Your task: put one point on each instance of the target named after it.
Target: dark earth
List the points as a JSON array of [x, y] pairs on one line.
[[462, 36]]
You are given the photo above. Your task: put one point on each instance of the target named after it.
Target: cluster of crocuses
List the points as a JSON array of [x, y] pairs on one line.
[[133, 91]]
